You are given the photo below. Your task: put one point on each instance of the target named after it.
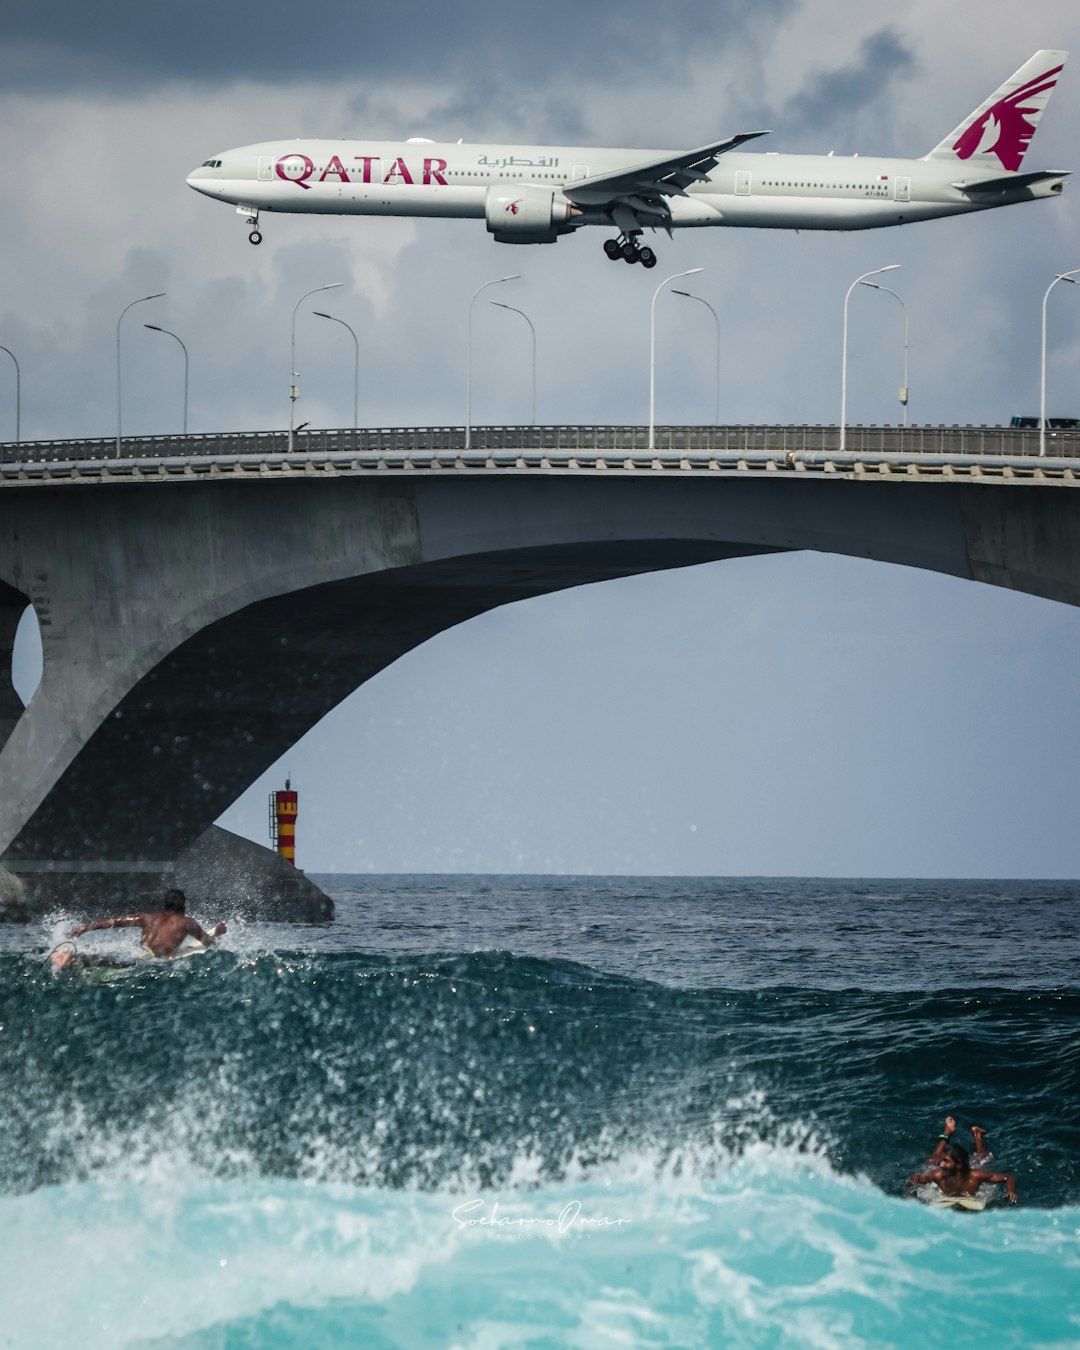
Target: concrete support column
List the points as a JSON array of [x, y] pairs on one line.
[[12, 605]]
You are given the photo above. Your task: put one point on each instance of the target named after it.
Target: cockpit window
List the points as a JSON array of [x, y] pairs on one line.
[[211, 164]]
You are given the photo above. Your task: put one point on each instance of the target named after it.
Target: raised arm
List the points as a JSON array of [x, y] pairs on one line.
[[124, 921], [942, 1140]]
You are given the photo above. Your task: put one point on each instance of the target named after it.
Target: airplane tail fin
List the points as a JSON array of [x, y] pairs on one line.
[[998, 132]]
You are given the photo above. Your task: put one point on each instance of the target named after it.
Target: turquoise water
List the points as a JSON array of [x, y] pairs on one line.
[[541, 1112]]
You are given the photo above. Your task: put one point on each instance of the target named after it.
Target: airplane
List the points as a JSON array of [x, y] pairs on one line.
[[536, 194]]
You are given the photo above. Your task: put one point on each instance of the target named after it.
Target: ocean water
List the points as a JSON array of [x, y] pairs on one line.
[[505, 1111]]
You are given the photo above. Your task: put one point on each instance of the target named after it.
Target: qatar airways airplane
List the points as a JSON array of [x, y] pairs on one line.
[[534, 194]]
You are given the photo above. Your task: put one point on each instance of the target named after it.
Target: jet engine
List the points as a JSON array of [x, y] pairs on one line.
[[523, 213]]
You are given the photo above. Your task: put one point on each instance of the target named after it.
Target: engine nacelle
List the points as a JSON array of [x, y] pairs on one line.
[[523, 213]]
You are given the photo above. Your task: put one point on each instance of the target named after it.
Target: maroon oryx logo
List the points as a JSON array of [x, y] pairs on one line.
[[1004, 129], [514, 207]]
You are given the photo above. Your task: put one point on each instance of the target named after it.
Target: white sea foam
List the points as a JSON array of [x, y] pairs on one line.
[[772, 1247]]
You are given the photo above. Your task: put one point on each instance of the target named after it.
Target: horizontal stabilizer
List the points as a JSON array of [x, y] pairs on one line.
[[1011, 180]]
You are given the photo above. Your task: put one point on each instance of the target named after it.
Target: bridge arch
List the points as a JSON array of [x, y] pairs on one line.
[[195, 631]]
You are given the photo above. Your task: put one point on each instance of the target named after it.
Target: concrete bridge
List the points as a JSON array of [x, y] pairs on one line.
[[203, 601]]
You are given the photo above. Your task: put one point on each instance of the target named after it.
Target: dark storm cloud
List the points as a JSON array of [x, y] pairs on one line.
[[129, 43], [837, 97]]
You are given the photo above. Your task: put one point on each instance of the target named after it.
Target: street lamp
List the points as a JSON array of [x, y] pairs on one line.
[[1061, 276], [716, 320], [155, 329], [119, 405], [294, 388], [468, 353], [356, 365], [18, 395], [859, 281], [692, 271], [873, 285], [532, 330]]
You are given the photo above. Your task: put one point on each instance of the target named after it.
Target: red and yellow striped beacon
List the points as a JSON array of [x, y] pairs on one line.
[[283, 812]]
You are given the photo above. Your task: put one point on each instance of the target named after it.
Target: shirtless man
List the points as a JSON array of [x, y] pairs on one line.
[[163, 930], [958, 1181]]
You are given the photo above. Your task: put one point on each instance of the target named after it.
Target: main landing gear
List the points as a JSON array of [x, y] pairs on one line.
[[628, 248]]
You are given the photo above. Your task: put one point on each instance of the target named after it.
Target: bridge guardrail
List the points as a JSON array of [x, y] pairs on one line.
[[780, 441]]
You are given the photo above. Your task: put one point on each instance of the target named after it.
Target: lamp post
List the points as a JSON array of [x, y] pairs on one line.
[[716, 319], [468, 353], [155, 329], [119, 404], [891, 267], [904, 387], [18, 395], [532, 330], [692, 271], [294, 388], [356, 364], [1061, 276]]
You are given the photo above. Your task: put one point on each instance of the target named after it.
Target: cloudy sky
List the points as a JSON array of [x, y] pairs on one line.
[[799, 714]]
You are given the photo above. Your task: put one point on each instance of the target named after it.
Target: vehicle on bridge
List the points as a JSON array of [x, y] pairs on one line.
[[535, 194], [1052, 423]]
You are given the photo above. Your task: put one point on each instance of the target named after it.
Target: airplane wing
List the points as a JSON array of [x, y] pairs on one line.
[[643, 187]]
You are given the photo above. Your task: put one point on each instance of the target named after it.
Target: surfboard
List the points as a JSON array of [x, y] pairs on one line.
[[192, 947], [974, 1203]]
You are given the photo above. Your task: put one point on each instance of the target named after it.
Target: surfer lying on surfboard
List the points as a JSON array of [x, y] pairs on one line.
[[957, 1181], [163, 930]]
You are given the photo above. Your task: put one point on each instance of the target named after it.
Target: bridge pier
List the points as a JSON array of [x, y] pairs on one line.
[[12, 605], [221, 873], [1025, 541]]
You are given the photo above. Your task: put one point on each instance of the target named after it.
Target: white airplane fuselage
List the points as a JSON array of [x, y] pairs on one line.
[[766, 191]]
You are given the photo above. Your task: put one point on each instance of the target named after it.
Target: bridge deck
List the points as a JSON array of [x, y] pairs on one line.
[[994, 454]]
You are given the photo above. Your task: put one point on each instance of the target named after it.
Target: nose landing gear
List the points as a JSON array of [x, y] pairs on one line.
[[628, 248], [252, 214]]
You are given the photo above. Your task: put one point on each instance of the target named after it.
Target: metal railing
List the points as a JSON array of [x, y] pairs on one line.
[[778, 442]]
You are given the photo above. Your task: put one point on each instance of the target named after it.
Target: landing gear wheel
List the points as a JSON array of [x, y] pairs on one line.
[[646, 257], [612, 249], [629, 251], [254, 237]]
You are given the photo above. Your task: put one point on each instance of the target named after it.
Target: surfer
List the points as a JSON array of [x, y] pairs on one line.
[[163, 930], [958, 1181]]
